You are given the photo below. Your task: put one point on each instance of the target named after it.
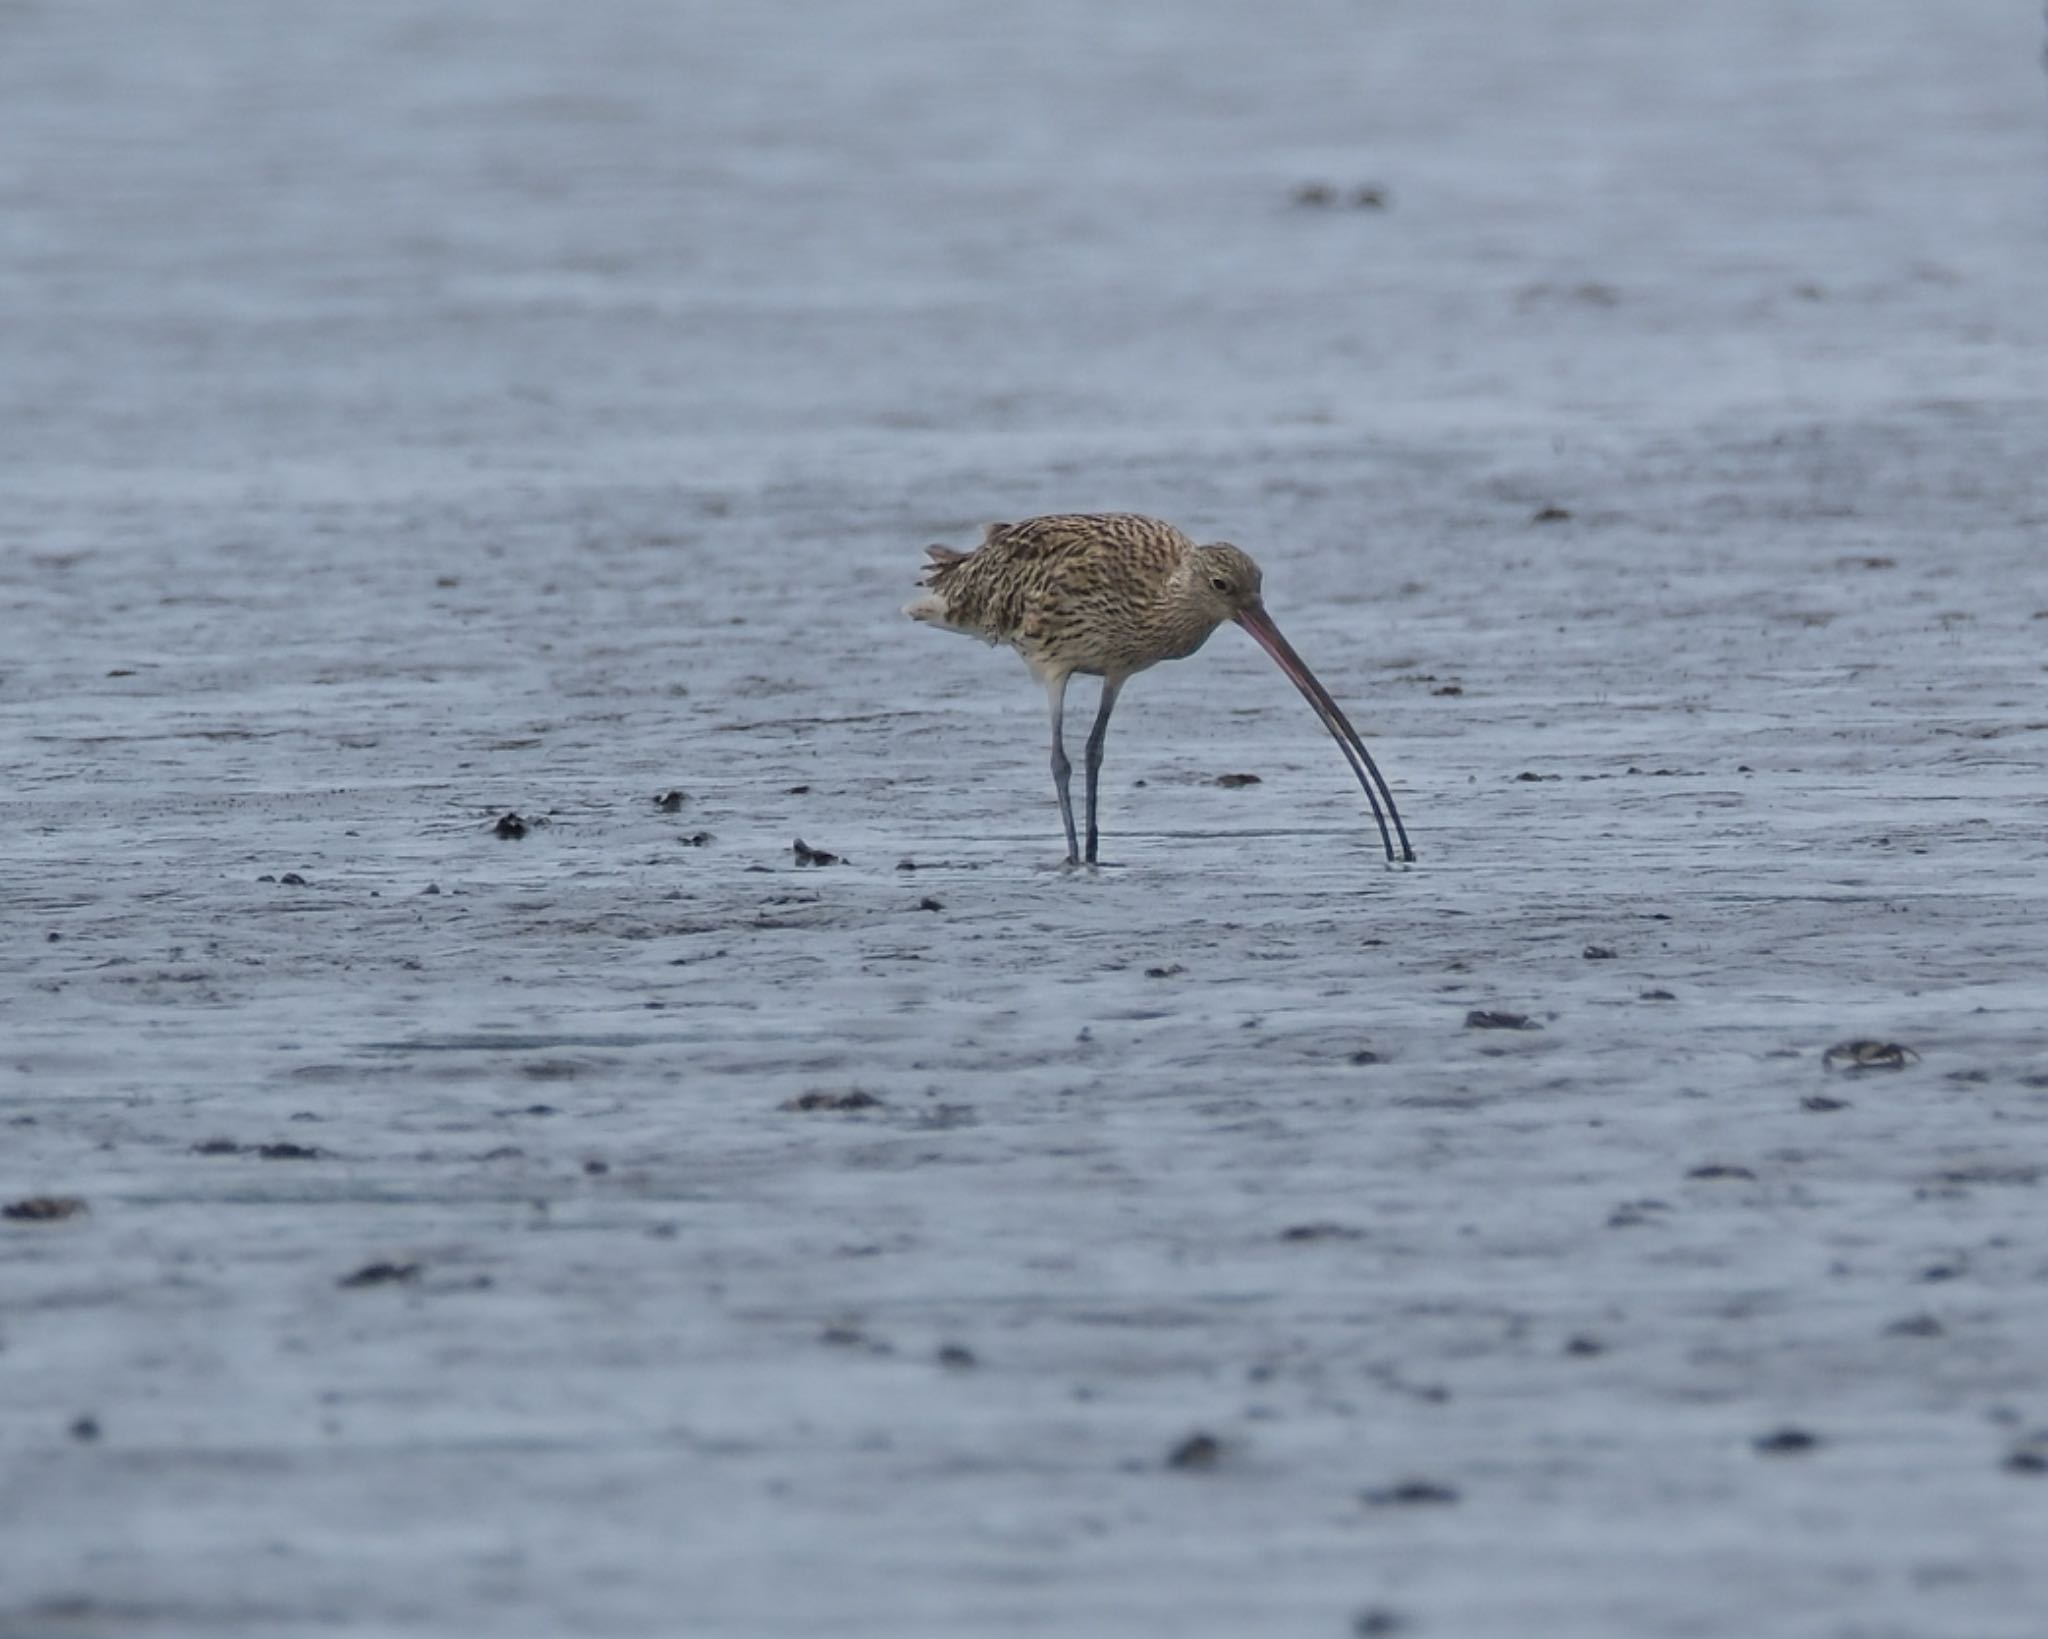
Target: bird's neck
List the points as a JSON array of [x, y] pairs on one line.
[[1183, 628]]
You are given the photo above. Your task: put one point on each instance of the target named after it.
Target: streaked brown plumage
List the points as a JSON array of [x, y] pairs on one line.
[[1109, 594]]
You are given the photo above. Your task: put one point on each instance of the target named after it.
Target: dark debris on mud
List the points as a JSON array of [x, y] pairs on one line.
[[1860, 1055], [381, 1274], [43, 1209], [1410, 1494], [1481, 1018], [855, 1100], [266, 1152]]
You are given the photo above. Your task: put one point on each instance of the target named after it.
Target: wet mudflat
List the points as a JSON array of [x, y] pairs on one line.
[[758, 1191]]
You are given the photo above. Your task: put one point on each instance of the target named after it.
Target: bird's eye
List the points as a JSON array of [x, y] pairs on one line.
[[1219, 583]]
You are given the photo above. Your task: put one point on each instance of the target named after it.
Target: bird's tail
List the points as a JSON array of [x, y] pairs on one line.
[[932, 606], [943, 559]]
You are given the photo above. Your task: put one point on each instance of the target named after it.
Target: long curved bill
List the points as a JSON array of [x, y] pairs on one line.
[[1260, 624]]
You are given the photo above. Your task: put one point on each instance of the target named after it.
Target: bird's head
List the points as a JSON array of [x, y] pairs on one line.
[[1223, 581]]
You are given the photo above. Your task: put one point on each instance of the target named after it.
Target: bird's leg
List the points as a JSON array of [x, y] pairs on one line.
[[1056, 695], [1096, 736]]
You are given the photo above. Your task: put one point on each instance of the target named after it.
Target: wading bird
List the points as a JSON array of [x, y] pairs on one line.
[[1108, 594]]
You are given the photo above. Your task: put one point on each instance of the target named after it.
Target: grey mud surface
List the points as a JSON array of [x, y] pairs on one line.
[[417, 413]]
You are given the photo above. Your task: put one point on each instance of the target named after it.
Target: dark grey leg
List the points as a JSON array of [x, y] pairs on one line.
[[1111, 687], [1056, 694]]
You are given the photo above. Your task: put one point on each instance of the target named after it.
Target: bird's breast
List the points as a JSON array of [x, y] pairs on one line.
[[1183, 644]]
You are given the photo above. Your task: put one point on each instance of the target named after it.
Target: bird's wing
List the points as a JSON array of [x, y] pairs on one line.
[[1075, 534]]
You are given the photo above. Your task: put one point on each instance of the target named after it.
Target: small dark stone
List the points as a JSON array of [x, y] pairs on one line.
[[1198, 1450], [1410, 1494], [1787, 1442], [1377, 1622], [1315, 194], [43, 1209], [799, 791], [843, 1337], [1868, 1055], [1166, 972], [1936, 1272], [86, 1429], [1716, 1169], [1914, 1326], [597, 1169], [510, 828], [1234, 781], [696, 839], [1598, 953], [1365, 1055], [291, 879], [1484, 1019], [1584, 1347], [855, 1100], [1550, 515], [1322, 1232], [431, 887], [217, 1146], [807, 855], [1448, 689], [671, 802], [1531, 774], [906, 864], [929, 904], [956, 1357], [52, 937], [289, 1152], [1820, 1103], [381, 1274], [2026, 1461], [1371, 197]]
